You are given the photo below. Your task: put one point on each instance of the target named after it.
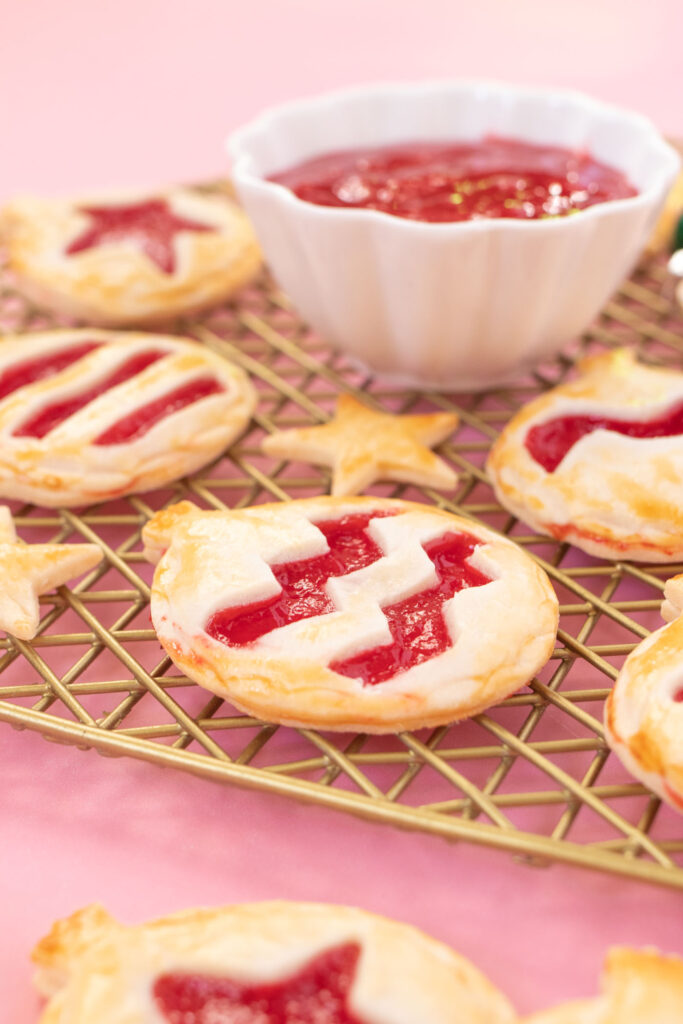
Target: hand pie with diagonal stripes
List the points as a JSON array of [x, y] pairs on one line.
[[119, 260], [87, 415], [598, 462], [363, 614], [259, 963]]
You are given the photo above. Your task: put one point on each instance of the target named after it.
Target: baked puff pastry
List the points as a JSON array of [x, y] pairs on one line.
[[119, 260], [639, 987], [362, 614], [28, 570], [644, 711], [598, 462], [88, 415], [264, 963]]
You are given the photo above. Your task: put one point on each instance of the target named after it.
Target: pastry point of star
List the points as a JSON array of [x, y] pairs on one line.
[[29, 570], [362, 446]]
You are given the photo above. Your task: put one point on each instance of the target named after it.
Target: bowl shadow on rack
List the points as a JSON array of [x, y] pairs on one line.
[[532, 776]]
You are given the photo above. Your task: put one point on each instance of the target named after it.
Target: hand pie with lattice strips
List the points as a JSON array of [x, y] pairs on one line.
[[121, 260], [362, 614], [644, 711], [262, 963], [87, 415], [639, 986], [598, 462]]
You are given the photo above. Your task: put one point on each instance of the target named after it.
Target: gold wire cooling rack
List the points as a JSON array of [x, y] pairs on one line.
[[532, 776]]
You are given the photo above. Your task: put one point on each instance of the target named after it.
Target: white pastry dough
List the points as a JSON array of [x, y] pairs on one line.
[[499, 633], [639, 987], [96, 971], [643, 717], [363, 446], [67, 466], [28, 570], [612, 495], [117, 283]]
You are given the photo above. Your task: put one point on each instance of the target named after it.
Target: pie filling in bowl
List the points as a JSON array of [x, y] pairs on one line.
[[441, 182], [465, 301]]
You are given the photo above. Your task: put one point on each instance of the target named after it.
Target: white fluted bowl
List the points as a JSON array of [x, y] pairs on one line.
[[455, 306]]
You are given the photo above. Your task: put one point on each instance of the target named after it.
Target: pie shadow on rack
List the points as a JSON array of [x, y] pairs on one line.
[[532, 776]]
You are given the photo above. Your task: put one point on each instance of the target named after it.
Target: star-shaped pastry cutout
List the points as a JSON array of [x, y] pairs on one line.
[[151, 225], [28, 570], [317, 994], [363, 446]]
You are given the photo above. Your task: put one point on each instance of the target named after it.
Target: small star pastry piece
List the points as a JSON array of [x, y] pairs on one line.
[[118, 260], [639, 986], [644, 711], [28, 570], [598, 462], [363, 446], [350, 614], [260, 963]]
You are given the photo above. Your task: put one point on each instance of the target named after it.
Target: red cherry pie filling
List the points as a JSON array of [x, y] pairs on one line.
[[151, 225], [317, 994], [417, 624], [128, 428], [458, 181], [549, 442]]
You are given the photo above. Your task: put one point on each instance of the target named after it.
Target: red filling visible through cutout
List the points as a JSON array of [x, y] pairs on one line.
[[31, 370], [317, 994], [129, 427], [549, 442], [150, 225], [417, 624], [42, 422], [137, 423]]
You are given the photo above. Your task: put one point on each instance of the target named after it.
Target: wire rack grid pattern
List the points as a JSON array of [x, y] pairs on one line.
[[532, 776]]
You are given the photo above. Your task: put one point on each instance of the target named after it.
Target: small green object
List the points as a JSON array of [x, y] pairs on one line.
[[678, 235]]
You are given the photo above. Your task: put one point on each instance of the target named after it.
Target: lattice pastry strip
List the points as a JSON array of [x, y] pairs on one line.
[[363, 613], [644, 711], [599, 461], [129, 259], [88, 415], [268, 963]]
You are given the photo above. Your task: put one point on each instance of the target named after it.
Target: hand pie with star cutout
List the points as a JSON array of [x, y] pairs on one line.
[[29, 570], [363, 446], [363, 614], [644, 711], [639, 986], [598, 462], [262, 963], [88, 415], [120, 260]]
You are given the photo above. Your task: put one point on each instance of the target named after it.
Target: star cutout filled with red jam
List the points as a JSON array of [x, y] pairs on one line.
[[317, 994], [151, 225]]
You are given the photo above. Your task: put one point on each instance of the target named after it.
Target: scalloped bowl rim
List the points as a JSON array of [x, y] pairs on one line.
[[237, 146]]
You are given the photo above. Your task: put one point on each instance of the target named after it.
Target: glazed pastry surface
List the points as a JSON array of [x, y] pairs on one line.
[[611, 494], [91, 968], [297, 612], [87, 415], [129, 259]]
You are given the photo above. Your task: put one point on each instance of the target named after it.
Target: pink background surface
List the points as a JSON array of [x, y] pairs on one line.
[[140, 92]]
